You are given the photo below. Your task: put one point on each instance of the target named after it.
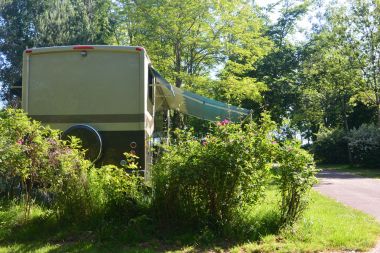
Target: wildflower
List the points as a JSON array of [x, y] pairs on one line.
[[223, 122]]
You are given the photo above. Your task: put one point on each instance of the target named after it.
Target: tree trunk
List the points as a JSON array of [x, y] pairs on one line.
[[346, 127], [348, 148], [378, 114], [168, 126], [177, 121]]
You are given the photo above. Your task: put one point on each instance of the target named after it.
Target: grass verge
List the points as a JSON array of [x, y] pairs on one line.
[[326, 225], [357, 170]]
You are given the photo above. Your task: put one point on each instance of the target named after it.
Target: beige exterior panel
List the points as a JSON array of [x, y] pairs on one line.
[[132, 126], [103, 81]]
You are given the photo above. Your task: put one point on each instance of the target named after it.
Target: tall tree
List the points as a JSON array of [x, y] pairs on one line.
[[279, 69], [191, 44], [182, 43], [364, 39], [332, 70], [331, 79], [17, 32]]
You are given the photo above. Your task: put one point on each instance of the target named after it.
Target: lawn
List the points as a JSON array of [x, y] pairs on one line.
[[326, 225], [357, 170]]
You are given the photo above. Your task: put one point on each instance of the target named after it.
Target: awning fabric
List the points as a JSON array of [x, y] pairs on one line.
[[170, 97]]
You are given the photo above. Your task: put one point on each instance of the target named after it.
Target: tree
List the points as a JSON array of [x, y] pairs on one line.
[[364, 40], [342, 69], [17, 32], [188, 45], [332, 70], [246, 44], [279, 68], [182, 43]]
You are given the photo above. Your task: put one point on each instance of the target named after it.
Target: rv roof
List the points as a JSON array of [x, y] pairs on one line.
[[83, 47]]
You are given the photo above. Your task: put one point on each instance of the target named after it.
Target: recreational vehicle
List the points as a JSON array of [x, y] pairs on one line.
[[108, 97]]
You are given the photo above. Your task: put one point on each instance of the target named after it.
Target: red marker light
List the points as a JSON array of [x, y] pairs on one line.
[[82, 47], [28, 51], [139, 49]]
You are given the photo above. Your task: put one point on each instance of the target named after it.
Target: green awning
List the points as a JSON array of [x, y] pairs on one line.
[[170, 97]]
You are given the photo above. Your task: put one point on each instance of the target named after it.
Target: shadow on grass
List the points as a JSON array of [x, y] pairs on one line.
[[353, 170], [47, 234], [334, 174]]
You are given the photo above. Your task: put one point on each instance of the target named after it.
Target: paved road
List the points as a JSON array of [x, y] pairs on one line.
[[355, 191], [358, 192]]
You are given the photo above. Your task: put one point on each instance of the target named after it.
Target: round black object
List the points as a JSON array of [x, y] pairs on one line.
[[90, 140]]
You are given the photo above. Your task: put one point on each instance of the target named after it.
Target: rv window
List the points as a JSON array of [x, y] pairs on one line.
[[150, 85], [150, 91]]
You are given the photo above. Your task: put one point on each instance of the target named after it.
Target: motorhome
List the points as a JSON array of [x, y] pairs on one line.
[[107, 96]]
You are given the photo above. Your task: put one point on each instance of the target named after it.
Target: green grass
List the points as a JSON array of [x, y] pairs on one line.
[[357, 170], [326, 225]]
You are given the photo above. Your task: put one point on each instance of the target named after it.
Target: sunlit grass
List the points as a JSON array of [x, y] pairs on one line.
[[326, 225]]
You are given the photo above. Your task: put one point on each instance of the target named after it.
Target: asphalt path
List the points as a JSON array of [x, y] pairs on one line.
[[355, 191]]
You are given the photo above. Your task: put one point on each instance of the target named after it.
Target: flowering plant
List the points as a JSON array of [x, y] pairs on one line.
[[223, 122]]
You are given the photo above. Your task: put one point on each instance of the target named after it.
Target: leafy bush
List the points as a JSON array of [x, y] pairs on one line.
[[200, 183], [35, 162], [121, 194], [296, 175], [29, 153], [196, 183], [204, 183], [70, 190], [364, 143], [331, 146]]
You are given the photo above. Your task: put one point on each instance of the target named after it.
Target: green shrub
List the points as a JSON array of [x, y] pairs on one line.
[[33, 156], [200, 183], [331, 146], [69, 187], [24, 159], [295, 176], [364, 143], [122, 195]]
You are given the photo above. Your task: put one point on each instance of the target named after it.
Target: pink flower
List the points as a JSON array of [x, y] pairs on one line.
[[223, 122], [20, 142]]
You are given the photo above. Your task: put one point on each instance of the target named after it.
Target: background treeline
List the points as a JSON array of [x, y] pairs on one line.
[[326, 87]]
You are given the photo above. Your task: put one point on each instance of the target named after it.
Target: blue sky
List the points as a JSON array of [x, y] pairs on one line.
[[304, 25]]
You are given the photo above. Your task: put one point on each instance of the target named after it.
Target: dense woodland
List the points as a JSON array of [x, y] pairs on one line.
[[325, 87]]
